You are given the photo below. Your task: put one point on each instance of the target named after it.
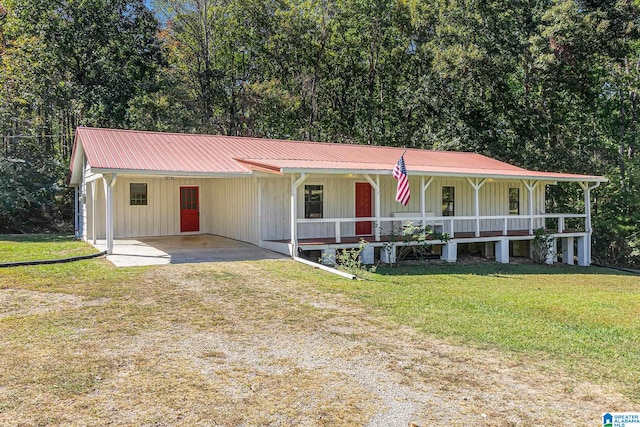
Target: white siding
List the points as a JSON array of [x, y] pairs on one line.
[[233, 208], [338, 202], [276, 216], [229, 206]]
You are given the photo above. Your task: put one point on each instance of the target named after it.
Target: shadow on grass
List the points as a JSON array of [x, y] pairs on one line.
[[496, 269]]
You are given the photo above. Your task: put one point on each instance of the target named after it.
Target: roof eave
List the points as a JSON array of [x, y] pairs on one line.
[[174, 174], [74, 175], [551, 179]]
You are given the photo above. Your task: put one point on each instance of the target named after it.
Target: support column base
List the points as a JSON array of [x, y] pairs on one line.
[[450, 252], [583, 252], [567, 250], [502, 251], [366, 256], [388, 254]]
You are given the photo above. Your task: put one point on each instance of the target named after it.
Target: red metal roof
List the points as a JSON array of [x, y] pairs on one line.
[[171, 153]]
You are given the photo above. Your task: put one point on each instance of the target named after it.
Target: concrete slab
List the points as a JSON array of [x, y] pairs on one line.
[[182, 249]]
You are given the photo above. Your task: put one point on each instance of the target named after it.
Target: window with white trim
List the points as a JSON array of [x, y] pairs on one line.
[[313, 201], [137, 194], [448, 201], [514, 201]]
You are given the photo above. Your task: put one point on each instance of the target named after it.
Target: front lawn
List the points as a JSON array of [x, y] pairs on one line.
[[35, 247], [586, 319], [275, 342]]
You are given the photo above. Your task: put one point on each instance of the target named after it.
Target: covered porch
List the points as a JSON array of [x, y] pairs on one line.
[[569, 231]]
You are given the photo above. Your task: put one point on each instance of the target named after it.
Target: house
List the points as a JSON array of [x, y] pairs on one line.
[[291, 196]]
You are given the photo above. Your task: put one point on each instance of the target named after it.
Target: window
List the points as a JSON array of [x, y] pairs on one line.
[[138, 194], [313, 201], [514, 201], [448, 201]]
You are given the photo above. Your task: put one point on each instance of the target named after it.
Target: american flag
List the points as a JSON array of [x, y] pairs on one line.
[[400, 173]]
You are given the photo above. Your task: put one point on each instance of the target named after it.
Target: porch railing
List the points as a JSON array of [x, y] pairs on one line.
[[448, 223]]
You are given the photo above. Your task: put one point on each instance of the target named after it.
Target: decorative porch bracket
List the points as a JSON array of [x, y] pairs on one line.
[[294, 211], [109, 184], [530, 185], [477, 184], [376, 188], [424, 185], [587, 211]]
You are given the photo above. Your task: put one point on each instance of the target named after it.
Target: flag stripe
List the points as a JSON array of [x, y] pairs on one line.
[[403, 194]]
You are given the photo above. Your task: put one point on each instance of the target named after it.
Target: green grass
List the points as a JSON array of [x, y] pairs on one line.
[[583, 320], [34, 247], [586, 319]]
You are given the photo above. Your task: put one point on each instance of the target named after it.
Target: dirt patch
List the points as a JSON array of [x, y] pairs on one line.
[[21, 302]]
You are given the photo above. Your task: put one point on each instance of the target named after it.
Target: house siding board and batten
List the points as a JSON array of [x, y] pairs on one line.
[[245, 185]]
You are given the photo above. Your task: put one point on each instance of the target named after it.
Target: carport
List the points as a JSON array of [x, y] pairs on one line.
[[182, 249]]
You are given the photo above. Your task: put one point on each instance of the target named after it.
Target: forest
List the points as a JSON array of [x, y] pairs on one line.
[[543, 84]]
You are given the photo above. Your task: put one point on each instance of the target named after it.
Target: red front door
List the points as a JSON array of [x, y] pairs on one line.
[[363, 207], [189, 209]]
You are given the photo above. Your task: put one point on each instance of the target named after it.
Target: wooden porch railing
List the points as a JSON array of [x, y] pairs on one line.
[[448, 222]]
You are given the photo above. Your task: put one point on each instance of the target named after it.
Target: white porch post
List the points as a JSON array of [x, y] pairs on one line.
[[93, 211], [76, 211], [530, 185], [376, 188], [587, 221], [424, 184], [259, 211], [109, 184], [477, 185], [294, 211]]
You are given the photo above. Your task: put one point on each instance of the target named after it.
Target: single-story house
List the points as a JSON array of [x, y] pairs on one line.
[[291, 196]]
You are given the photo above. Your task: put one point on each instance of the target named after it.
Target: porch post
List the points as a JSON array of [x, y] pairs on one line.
[[294, 211], [376, 188], [259, 211], [477, 184], [587, 221], [377, 208], [93, 211], [423, 202], [76, 211], [530, 185], [109, 184]]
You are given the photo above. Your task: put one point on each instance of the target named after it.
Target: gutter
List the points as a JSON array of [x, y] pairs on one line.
[[51, 261], [325, 268]]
